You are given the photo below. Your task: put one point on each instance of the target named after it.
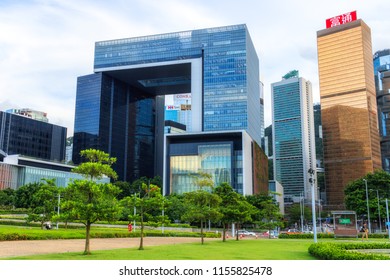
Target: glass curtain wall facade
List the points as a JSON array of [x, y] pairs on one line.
[[214, 159], [293, 135], [382, 85], [33, 138], [114, 117], [348, 107], [220, 155], [8, 176], [231, 90], [131, 73]]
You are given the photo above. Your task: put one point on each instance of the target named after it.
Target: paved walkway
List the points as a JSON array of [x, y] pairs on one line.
[[34, 247]]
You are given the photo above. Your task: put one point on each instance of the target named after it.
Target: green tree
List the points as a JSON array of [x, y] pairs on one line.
[[270, 216], [203, 180], [355, 193], [25, 194], [44, 202], [257, 200], [294, 214], [7, 197], [246, 212], [234, 208], [125, 187], [201, 207], [89, 201], [176, 207], [146, 202]]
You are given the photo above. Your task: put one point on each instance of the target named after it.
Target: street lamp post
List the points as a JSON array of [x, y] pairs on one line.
[[58, 208], [319, 213], [302, 208], [379, 212], [163, 213], [368, 208], [313, 204], [388, 221]]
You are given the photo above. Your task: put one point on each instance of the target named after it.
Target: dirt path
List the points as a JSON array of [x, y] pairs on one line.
[[34, 247]]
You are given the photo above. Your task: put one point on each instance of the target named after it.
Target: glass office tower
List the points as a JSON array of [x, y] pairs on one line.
[[293, 136], [120, 108], [382, 85]]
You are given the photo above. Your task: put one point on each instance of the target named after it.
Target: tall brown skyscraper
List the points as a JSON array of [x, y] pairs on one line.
[[348, 105]]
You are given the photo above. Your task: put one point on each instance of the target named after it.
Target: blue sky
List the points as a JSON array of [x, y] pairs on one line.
[[46, 44]]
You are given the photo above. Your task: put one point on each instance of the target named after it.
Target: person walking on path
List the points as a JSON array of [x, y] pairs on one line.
[[365, 232]]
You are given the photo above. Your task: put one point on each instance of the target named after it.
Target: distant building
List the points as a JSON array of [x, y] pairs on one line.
[[293, 135], [29, 113], [17, 171], [382, 85], [276, 190], [31, 138], [68, 153], [318, 135], [348, 106], [262, 122], [174, 127]]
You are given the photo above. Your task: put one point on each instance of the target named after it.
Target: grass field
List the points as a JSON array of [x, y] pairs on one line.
[[246, 249], [260, 249]]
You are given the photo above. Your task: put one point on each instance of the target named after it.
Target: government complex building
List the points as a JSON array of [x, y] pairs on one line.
[[120, 108]]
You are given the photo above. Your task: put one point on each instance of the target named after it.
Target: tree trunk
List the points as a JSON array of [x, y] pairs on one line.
[[201, 232], [224, 233], [141, 243], [87, 234], [237, 232]]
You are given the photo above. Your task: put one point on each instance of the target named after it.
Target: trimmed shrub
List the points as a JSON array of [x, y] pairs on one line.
[[345, 251], [305, 236], [327, 235]]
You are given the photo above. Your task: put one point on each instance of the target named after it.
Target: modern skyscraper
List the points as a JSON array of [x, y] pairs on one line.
[[293, 135], [26, 136], [348, 105], [382, 85], [120, 108]]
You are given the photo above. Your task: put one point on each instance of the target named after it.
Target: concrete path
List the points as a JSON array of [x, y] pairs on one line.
[[34, 247]]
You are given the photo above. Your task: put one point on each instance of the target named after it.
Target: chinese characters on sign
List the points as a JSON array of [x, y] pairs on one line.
[[341, 19]]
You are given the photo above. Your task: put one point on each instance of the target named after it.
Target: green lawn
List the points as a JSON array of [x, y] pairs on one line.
[[260, 249], [247, 249]]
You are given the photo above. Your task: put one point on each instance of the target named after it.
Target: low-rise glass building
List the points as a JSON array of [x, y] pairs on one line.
[[230, 157], [17, 171]]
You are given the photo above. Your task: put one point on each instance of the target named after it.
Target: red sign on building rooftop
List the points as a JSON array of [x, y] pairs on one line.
[[341, 19]]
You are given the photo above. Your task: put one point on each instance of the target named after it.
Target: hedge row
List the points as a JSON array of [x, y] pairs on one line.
[[80, 234], [345, 251], [9, 210], [305, 236], [327, 235], [146, 224], [36, 224]]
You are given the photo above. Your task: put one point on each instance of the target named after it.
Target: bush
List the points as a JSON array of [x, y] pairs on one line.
[[344, 251], [305, 236]]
